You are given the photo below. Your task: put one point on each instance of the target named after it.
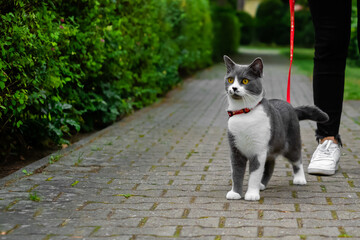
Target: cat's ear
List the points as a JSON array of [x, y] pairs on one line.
[[257, 67], [229, 64]]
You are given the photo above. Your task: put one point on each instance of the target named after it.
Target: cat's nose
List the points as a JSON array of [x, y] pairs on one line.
[[234, 88]]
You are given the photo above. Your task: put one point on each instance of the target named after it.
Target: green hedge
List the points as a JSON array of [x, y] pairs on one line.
[[71, 65], [273, 24], [226, 31], [353, 53], [304, 28], [247, 23]]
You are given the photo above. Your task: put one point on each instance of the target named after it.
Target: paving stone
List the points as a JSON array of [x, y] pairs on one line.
[[195, 232], [353, 232], [321, 232], [108, 231], [164, 171], [203, 222]]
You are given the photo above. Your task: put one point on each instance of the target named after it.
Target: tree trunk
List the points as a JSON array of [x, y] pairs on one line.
[[222, 2], [240, 5]]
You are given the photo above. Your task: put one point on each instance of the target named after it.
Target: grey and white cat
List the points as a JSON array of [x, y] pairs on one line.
[[259, 129]]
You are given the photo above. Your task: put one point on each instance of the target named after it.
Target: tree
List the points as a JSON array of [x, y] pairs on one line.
[[240, 5]]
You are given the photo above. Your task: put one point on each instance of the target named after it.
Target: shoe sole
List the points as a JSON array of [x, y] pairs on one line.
[[319, 171]]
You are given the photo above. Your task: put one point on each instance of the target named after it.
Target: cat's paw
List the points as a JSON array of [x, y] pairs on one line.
[[299, 181], [262, 187], [252, 196], [231, 195]]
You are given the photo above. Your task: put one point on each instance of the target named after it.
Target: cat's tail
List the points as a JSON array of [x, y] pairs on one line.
[[311, 113]]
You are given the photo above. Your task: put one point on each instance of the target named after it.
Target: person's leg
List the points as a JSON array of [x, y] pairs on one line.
[[332, 21]]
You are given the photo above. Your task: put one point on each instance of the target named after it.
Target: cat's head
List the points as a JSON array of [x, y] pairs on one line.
[[243, 83]]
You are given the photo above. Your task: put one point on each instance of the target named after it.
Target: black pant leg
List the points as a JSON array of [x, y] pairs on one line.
[[332, 22]]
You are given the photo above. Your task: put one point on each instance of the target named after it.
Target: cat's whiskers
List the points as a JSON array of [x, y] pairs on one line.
[[223, 99], [251, 100]]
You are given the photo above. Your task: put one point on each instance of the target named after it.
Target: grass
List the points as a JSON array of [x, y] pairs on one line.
[[26, 172], [303, 60], [34, 197], [303, 64], [352, 83], [55, 158], [79, 159], [74, 183], [124, 195]]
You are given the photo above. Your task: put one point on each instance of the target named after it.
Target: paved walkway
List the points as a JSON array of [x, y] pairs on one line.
[[164, 172]]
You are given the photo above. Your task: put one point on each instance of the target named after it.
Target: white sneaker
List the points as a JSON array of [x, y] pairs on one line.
[[325, 160]]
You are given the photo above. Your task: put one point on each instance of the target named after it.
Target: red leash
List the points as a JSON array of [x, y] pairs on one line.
[[292, 29]]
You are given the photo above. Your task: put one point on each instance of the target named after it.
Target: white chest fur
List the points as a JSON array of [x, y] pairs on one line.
[[251, 131]]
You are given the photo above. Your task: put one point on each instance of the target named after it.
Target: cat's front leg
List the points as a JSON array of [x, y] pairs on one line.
[[232, 195], [238, 167], [257, 164]]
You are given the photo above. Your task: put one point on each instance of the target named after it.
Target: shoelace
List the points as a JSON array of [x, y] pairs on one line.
[[326, 149]]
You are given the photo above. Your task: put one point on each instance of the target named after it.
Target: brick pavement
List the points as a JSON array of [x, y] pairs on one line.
[[164, 171]]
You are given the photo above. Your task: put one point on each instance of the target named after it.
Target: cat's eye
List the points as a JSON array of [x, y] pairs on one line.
[[245, 81], [230, 80]]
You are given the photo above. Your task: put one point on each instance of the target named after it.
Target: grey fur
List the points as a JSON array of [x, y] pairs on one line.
[[230, 64], [238, 165], [311, 113], [285, 136], [254, 164], [250, 72], [268, 171]]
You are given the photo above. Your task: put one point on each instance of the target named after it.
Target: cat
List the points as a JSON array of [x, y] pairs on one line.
[[259, 129]]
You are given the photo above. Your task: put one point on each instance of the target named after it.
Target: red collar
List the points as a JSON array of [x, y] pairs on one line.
[[241, 111]]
